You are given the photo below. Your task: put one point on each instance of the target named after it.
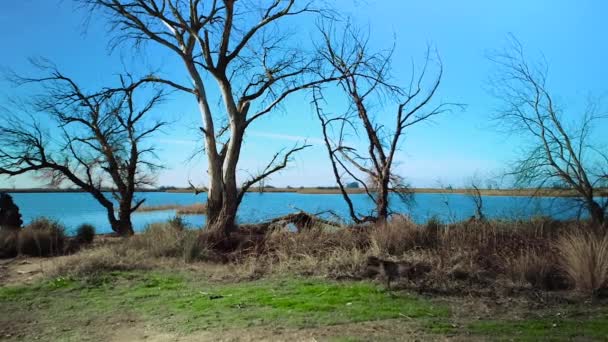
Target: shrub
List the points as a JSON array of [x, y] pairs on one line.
[[85, 233], [584, 257], [8, 243], [168, 239], [539, 269], [92, 264], [400, 235], [178, 222], [42, 237], [10, 218]]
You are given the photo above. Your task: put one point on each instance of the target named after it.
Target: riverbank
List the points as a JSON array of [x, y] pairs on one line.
[[529, 192], [483, 192], [180, 209], [516, 280]]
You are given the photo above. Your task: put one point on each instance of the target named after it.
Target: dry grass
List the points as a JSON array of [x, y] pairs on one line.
[[93, 263], [191, 209], [160, 245], [467, 256], [8, 243], [584, 257], [42, 237], [463, 258]]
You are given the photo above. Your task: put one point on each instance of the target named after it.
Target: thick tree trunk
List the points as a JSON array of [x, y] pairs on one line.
[[124, 227], [222, 220], [121, 226]]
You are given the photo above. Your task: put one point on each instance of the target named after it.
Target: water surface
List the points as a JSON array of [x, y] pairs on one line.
[[72, 209]]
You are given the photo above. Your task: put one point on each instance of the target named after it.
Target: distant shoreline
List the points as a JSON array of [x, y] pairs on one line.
[[329, 191]]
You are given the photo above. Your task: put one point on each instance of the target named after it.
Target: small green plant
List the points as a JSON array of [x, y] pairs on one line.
[[85, 233]]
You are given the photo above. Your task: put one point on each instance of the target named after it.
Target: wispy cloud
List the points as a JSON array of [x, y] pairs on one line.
[[289, 137], [278, 136], [177, 141]]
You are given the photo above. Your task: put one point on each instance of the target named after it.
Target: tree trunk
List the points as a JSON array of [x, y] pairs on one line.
[[382, 201], [596, 212], [121, 226], [124, 227], [222, 219]]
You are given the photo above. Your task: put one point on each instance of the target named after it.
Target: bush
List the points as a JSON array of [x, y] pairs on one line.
[[10, 218], [539, 269], [168, 239], [584, 257], [400, 235], [8, 243], [178, 222], [42, 237], [85, 233], [91, 265]]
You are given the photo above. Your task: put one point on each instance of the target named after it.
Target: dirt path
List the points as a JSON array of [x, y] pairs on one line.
[[386, 330], [24, 271]]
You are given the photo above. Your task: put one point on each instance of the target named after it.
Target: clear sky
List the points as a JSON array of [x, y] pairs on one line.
[[570, 34]]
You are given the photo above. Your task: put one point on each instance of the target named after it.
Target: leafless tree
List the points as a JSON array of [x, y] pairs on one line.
[[95, 140], [558, 152], [241, 48], [473, 191], [364, 78]]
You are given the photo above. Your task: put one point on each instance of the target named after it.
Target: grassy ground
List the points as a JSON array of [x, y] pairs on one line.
[[164, 305], [496, 280]]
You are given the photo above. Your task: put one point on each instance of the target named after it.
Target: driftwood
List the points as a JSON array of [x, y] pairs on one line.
[[249, 238], [301, 220]]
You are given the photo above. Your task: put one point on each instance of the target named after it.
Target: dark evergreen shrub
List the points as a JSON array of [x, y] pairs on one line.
[[8, 243], [10, 218], [85, 233]]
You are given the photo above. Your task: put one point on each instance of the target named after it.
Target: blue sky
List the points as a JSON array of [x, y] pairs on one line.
[[570, 34]]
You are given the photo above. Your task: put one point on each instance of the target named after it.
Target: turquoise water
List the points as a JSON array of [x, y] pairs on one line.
[[72, 209]]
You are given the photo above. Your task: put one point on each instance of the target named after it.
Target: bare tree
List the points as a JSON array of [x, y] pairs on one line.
[[240, 46], [558, 152], [93, 140], [473, 191], [365, 80]]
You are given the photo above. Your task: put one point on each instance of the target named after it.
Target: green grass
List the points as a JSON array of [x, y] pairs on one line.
[[71, 309], [66, 309], [549, 329]]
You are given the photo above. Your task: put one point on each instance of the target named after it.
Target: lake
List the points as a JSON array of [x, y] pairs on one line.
[[73, 209]]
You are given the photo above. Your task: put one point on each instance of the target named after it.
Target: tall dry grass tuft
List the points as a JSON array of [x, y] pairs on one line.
[[538, 268], [338, 253], [42, 237], [8, 243], [159, 245], [167, 240], [396, 236], [584, 257], [94, 263]]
